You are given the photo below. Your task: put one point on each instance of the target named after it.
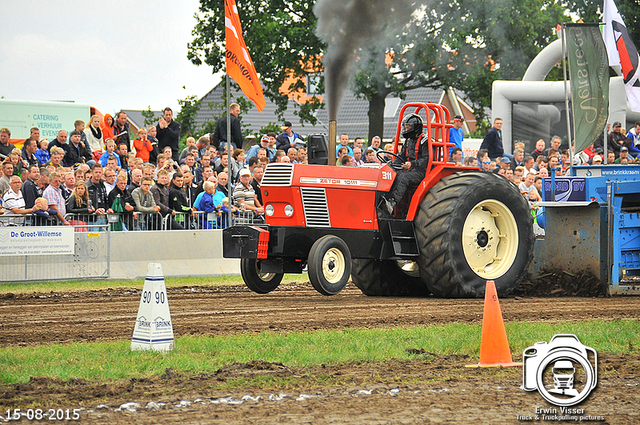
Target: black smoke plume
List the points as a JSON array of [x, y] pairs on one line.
[[348, 26]]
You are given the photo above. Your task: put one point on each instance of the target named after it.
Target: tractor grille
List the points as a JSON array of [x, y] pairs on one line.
[[277, 175], [316, 211]]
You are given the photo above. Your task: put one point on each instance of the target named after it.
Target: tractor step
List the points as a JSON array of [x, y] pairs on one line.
[[403, 238]]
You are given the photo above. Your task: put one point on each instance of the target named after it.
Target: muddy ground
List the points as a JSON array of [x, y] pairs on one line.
[[427, 389]]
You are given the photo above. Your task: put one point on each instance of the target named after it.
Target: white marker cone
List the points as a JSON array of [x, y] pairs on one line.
[[153, 329]]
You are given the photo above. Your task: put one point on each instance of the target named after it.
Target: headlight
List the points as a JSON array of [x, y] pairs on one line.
[[269, 210], [288, 210]]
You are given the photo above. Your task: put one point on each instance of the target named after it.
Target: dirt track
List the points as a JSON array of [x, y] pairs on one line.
[[103, 315], [429, 388]]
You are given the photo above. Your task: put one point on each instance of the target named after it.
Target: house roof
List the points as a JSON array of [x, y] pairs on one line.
[[212, 107], [352, 116], [136, 118]]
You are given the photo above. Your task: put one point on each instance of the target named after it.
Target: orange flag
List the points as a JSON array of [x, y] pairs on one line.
[[239, 64]]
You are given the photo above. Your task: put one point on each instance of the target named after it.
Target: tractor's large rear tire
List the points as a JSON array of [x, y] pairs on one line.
[[259, 282], [473, 227], [385, 278]]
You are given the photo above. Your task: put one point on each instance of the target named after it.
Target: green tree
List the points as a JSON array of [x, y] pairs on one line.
[[592, 11], [496, 39], [281, 40], [189, 107], [207, 128], [149, 116], [464, 44], [271, 127]]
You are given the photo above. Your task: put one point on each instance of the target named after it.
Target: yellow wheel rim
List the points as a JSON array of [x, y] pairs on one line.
[[490, 239], [333, 265]]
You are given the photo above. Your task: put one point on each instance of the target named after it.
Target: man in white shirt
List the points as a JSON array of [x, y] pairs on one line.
[[13, 202]]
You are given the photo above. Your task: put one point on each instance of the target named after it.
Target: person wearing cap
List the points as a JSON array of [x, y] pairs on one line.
[[624, 153], [263, 144], [244, 196], [219, 137], [597, 160], [289, 138], [617, 139], [455, 133], [505, 163]]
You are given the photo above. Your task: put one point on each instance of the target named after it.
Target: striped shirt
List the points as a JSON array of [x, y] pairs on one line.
[[54, 197], [243, 193], [12, 200]]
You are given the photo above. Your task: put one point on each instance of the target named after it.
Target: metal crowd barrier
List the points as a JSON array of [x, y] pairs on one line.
[[13, 220], [118, 221], [22, 262], [87, 223], [220, 220]]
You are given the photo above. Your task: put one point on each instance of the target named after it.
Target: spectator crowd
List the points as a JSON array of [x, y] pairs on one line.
[[101, 170], [622, 148]]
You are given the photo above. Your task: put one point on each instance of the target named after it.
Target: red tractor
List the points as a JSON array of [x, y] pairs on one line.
[[457, 229]]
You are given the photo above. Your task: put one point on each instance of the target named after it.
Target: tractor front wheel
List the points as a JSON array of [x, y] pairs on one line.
[[259, 282], [329, 265]]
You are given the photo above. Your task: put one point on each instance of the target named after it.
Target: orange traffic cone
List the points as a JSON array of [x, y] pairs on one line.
[[494, 347]]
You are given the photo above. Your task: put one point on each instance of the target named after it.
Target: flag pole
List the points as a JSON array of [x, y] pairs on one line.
[[605, 136], [605, 139], [566, 96], [229, 193]]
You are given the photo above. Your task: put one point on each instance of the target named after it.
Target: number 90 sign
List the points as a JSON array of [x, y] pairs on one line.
[[148, 298]]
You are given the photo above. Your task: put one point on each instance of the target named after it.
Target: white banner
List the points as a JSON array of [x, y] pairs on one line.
[[622, 52], [36, 240]]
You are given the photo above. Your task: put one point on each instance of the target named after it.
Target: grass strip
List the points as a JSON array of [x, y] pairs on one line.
[[101, 284], [205, 354]]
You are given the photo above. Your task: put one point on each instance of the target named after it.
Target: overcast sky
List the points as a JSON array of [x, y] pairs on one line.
[[110, 54]]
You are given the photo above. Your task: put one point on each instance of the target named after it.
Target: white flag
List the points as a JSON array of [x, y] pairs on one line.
[[622, 52]]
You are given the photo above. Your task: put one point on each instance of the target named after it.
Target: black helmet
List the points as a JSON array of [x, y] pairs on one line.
[[411, 126]]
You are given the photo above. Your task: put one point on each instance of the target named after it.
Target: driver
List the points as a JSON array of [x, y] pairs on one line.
[[410, 162]]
